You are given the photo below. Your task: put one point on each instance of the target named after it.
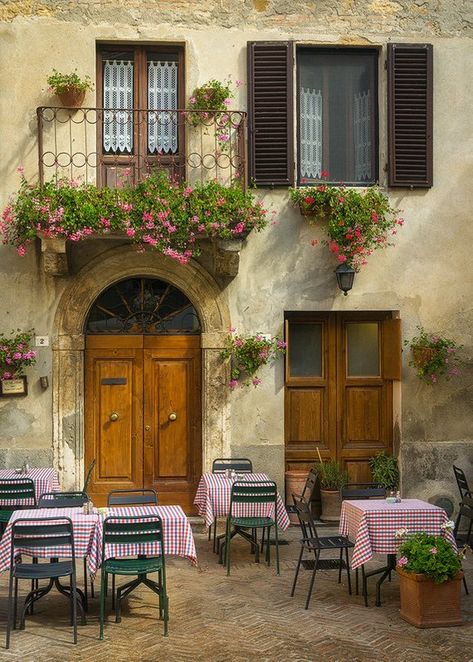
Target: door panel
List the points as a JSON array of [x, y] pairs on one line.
[[173, 448], [113, 389]]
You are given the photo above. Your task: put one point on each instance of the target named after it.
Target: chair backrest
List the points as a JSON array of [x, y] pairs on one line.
[[88, 475], [257, 492], [461, 481], [19, 490], [241, 465], [466, 511], [62, 500], [310, 485], [306, 520], [38, 533], [134, 529], [362, 491], [132, 498]]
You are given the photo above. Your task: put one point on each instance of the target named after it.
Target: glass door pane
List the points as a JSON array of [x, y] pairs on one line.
[[305, 350], [363, 349]]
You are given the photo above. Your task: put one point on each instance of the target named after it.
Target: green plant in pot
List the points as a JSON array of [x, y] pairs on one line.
[[332, 478], [430, 574], [385, 471]]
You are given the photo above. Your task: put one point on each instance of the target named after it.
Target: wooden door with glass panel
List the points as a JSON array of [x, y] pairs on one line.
[[340, 369], [140, 89]]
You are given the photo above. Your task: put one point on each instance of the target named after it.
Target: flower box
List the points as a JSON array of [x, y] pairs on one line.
[[427, 604]]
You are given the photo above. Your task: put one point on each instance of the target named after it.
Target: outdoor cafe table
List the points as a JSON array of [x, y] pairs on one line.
[[178, 538], [372, 525], [45, 479], [213, 499]]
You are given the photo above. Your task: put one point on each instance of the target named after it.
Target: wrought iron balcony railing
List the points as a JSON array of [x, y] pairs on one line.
[[113, 147]]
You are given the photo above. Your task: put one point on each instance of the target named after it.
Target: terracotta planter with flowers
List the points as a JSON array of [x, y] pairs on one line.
[[72, 98]]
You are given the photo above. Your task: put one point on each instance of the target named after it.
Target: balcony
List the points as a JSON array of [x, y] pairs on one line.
[[122, 146]]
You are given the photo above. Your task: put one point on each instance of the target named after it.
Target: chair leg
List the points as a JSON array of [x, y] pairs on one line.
[[277, 547], [86, 597], [113, 592], [297, 571], [268, 548], [74, 603], [312, 580], [348, 570], [340, 566], [9, 607], [163, 594], [103, 583], [15, 604], [365, 585], [227, 545], [262, 539], [215, 535], [356, 581]]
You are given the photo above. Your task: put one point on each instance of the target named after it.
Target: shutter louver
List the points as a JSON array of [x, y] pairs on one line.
[[270, 108], [410, 101]]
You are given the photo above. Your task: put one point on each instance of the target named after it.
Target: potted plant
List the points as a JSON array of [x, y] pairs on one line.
[[209, 98], [433, 356], [70, 88], [15, 355], [332, 479], [247, 354], [430, 575], [356, 222], [385, 471]]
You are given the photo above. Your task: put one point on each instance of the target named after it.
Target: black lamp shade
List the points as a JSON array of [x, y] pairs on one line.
[[345, 277]]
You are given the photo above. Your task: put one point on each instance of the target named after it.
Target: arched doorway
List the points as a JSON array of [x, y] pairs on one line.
[[143, 391]]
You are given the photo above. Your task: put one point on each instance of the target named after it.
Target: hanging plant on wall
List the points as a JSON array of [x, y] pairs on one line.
[[247, 354], [210, 97], [356, 222], [16, 354], [158, 213], [433, 356]]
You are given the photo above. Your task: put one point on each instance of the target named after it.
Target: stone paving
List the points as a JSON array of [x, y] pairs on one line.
[[247, 616]]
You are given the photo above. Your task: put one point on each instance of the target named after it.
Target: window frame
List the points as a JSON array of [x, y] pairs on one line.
[[376, 50]]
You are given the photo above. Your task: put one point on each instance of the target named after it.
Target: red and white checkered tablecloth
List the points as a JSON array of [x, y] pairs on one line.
[[213, 500], [178, 538], [83, 527], [45, 479], [372, 524]]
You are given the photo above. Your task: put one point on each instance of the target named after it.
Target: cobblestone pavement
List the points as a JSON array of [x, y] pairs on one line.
[[247, 616]]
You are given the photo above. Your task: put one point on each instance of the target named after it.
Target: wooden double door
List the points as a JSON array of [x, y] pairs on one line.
[[340, 370], [143, 415]]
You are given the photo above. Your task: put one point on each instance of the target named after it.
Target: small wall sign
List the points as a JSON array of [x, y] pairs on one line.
[[13, 387]]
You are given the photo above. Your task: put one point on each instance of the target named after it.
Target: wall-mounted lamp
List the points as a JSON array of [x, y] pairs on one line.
[[44, 381], [345, 277]]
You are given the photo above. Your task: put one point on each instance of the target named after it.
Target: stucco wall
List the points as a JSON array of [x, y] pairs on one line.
[[427, 276]]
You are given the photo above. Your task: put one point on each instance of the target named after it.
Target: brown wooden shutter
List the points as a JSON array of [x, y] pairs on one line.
[[410, 101], [392, 358], [270, 108]]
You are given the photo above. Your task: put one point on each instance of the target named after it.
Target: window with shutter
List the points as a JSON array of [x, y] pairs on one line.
[[270, 77], [410, 101]]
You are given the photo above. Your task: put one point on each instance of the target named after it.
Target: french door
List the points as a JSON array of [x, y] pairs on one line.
[[143, 415], [340, 369]]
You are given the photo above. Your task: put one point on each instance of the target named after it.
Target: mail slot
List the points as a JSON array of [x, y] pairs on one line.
[[113, 381]]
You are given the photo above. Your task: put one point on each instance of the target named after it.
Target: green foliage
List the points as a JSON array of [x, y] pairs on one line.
[[332, 476], [168, 216], [60, 83], [433, 356], [356, 222], [247, 354], [429, 555], [16, 353], [210, 97], [385, 470]]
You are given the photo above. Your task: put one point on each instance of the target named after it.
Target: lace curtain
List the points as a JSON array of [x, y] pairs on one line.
[[162, 94], [362, 135], [118, 93], [311, 133]]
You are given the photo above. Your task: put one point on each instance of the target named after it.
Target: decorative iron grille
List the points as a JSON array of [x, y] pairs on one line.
[[143, 306]]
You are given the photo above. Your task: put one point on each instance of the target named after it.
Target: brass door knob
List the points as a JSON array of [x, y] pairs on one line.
[[172, 416], [147, 428], [114, 416]]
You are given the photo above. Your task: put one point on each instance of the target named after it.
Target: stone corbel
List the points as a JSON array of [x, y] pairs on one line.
[[221, 258], [54, 256]]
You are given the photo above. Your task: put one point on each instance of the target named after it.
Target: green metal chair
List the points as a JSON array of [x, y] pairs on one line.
[[21, 491], [245, 496], [121, 530], [88, 475]]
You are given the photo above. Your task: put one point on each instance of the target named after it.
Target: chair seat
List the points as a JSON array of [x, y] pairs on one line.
[[42, 570], [252, 522], [133, 566], [327, 542]]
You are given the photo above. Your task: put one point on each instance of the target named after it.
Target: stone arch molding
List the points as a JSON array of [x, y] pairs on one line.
[[69, 344]]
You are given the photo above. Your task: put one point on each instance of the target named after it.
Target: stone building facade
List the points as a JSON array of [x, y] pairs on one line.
[[424, 280]]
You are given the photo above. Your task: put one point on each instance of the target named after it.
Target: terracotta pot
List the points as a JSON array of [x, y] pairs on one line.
[[72, 98], [331, 505], [295, 481], [426, 604]]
